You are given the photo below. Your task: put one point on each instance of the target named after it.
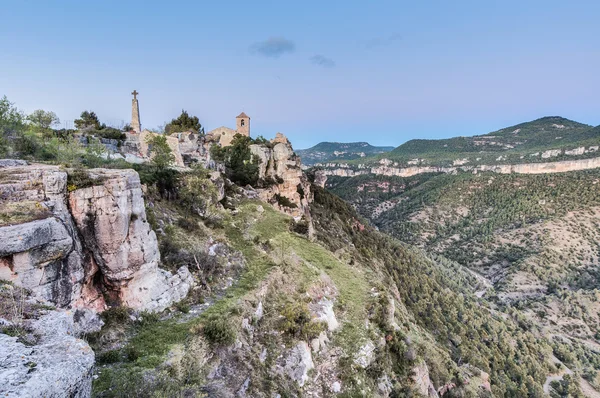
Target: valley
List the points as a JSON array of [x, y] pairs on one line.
[[531, 230], [213, 264]]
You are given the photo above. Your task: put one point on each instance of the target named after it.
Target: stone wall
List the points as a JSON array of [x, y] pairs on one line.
[[223, 134]]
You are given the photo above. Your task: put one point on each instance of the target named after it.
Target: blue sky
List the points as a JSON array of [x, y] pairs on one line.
[[376, 71]]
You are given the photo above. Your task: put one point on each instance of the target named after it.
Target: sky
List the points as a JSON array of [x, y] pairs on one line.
[[377, 71]]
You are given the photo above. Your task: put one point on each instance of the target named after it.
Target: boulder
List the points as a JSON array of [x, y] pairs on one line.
[[297, 363], [59, 365], [282, 167], [365, 355], [38, 256], [323, 310], [12, 162], [423, 382]]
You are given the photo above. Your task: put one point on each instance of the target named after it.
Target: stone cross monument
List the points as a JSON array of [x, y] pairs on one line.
[[136, 126]]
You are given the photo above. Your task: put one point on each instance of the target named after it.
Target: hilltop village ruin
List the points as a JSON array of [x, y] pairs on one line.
[[277, 160], [188, 147]]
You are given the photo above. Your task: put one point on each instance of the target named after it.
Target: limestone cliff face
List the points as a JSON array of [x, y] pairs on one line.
[[343, 170], [280, 165], [90, 247], [111, 218], [44, 254]]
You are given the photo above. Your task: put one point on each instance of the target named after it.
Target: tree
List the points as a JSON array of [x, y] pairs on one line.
[[42, 120], [160, 152], [184, 122], [11, 119], [87, 119], [241, 166], [11, 124]]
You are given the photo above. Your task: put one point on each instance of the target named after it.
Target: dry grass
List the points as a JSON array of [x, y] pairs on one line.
[[12, 213]]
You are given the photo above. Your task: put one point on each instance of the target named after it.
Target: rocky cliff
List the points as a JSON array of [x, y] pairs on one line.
[[388, 168], [84, 242], [282, 166]]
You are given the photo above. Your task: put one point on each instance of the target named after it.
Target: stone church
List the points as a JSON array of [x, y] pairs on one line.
[[225, 134]]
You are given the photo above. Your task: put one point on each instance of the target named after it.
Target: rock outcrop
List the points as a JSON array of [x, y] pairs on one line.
[[422, 381], [298, 363], [58, 365], [87, 246], [281, 167]]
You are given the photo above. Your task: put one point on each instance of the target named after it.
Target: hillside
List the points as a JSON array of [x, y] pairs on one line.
[[333, 151], [533, 239], [542, 140], [349, 313], [275, 303], [514, 144], [236, 274]]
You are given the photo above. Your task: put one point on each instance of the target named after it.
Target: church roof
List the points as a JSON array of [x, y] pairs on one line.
[[242, 116], [221, 129]]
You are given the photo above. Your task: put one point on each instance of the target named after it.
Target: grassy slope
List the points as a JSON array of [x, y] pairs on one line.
[[438, 317]]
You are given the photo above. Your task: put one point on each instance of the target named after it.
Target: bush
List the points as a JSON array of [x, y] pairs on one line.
[[284, 201], [78, 179], [116, 316], [108, 133], [147, 318], [300, 227], [219, 331], [108, 357], [184, 122], [298, 323]]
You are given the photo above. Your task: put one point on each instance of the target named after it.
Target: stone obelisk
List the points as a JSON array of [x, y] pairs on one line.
[[136, 126]]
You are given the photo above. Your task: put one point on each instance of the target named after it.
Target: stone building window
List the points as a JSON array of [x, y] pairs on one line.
[[243, 123]]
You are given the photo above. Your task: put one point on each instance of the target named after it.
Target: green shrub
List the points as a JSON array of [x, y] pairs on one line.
[[108, 133], [116, 316], [241, 166], [284, 201], [147, 318], [79, 178], [219, 331], [108, 357], [187, 224], [300, 227], [298, 322], [183, 306]]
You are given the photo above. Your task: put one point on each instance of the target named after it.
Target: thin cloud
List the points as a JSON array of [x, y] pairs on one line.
[[273, 47], [322, 61], [383, 41]]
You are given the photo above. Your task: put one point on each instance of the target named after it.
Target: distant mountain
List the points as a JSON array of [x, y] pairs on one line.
[[513, 144], [326, 151]]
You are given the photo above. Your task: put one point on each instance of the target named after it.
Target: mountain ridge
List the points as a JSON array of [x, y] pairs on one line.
[[549, 138], [325, 151]]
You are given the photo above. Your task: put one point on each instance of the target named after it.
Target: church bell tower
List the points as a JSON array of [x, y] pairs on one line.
[[242, 124]]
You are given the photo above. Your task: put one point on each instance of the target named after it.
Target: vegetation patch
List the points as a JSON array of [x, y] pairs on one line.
[[12, 213]]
